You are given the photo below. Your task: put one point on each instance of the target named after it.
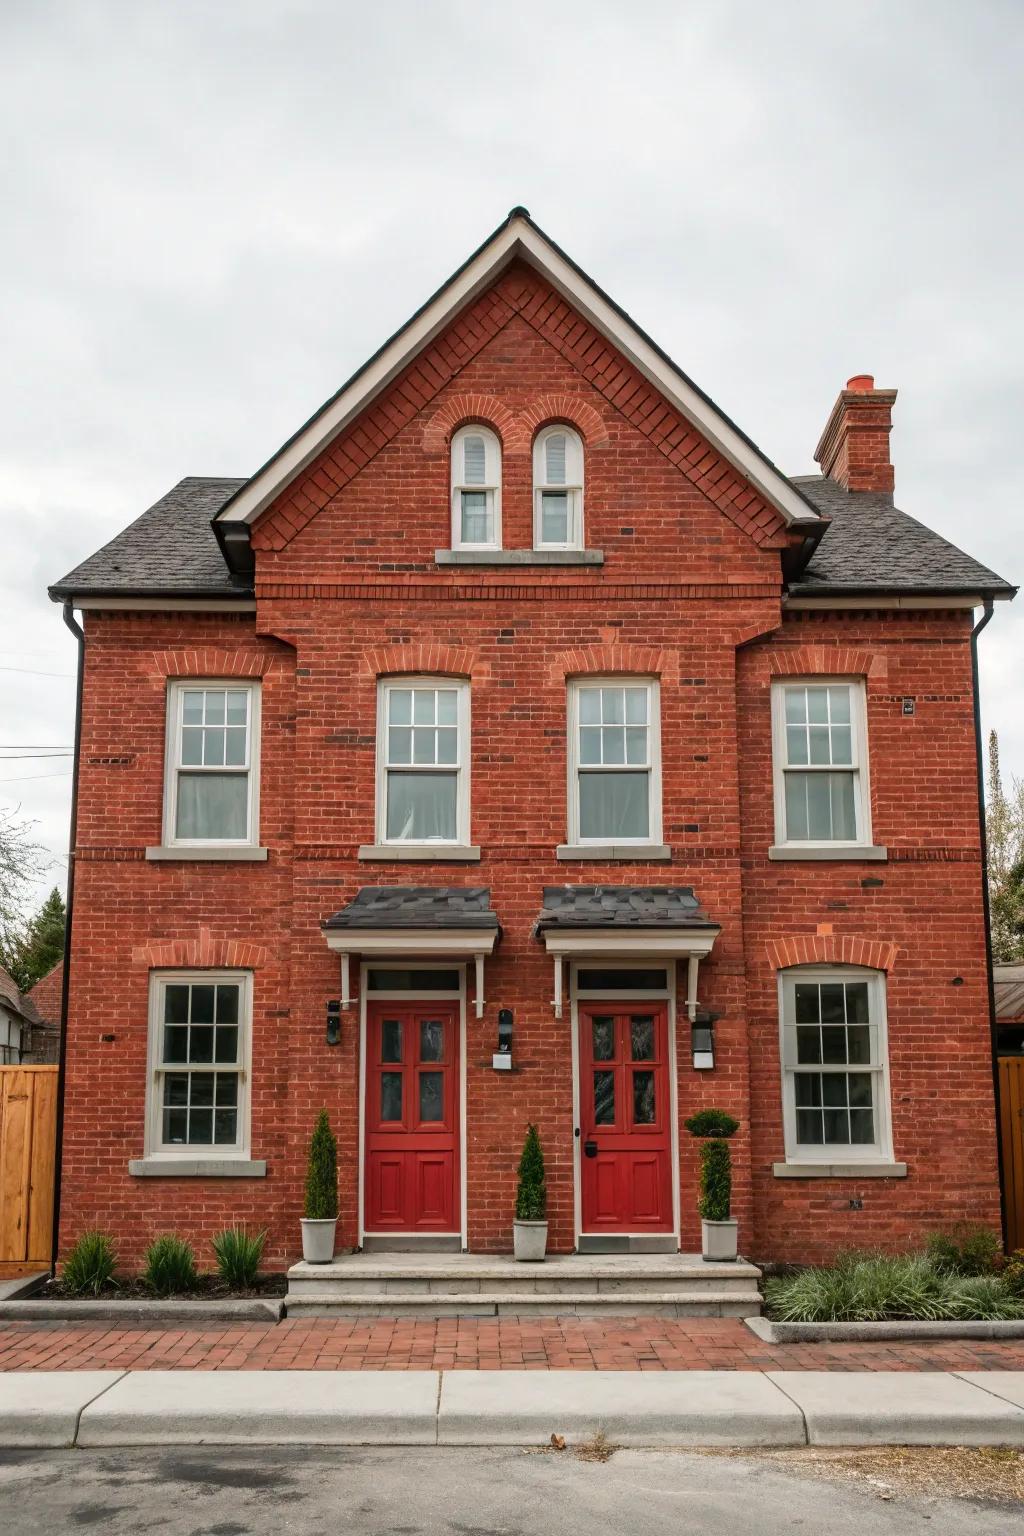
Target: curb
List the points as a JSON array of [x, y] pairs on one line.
[[823, 1333], [130, 1312]]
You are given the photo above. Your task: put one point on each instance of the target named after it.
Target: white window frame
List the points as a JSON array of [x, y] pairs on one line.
[[154, 1144], [880, 1150], [461, 768], [859, 753], [176, 690], [491, 486], [11, 1040], [573, 486], [654, 830]]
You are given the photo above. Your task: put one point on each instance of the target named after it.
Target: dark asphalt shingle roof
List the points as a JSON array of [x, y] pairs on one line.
[[621, 906], [870, 545], [417, 906], [1009, 985]]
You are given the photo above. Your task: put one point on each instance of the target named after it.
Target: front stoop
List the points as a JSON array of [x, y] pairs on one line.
[[483, 1285]]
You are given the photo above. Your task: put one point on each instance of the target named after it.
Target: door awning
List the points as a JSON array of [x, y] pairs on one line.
[[416, 921]]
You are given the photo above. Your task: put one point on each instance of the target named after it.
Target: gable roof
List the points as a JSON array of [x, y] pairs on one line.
[[518, 238], [18, 1002]]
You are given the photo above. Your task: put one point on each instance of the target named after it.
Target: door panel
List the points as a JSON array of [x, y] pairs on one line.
[[626, 1166], [412, 1118]]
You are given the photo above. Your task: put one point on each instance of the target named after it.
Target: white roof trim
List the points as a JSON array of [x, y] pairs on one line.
[[519, 237], [631, 941], [412, 941]]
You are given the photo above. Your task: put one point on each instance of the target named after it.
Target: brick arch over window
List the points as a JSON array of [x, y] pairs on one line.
[[485, 410], [429, 657], [568, 408], [209, 661], [204, 952], [815, 660], [831, 949], [612, 660]]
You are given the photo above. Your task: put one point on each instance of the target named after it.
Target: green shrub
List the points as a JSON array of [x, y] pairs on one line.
[[321, 1202], [1013, 1273], [169, 1265], [238, 1255], [868, 1288], [532, 1190], [90, 1264], [965, 1250], [714, 1126]]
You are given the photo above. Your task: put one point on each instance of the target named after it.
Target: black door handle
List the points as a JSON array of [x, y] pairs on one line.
[[590, 1148]]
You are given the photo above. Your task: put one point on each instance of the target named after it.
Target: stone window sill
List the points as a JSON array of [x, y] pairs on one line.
[[864, 1170], [519, 556], [421, 853], [820, 853], [197, 1168], [605, 853], [227, 853]]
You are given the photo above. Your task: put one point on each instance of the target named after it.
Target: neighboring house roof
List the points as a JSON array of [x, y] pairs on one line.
[[18, 1002], [417, 906], [1009, 989], [871, 546], [47, 994], [621, 906]]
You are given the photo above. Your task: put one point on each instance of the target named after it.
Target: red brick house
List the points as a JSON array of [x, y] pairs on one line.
[[519, 688]]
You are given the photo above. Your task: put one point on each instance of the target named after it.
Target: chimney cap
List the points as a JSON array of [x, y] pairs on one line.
[[861, 382]]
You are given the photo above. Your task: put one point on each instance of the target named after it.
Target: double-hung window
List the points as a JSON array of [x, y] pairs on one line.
[[558, 489], [212, 791], [834, 1059], [423, 761], [614, 762], [199, 1049], [476, 489], [820, 751]]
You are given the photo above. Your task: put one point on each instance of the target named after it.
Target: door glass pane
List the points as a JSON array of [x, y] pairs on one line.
[[431, 1095], [391, 1096], [641, 1036], [643, 1098], [604, 1098], [421, 807], [391, 1040], [431, 1040], [604, 1039]]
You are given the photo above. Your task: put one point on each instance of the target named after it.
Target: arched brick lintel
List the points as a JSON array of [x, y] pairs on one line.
[[831, 949], [578, 413], [613, 660], [428, 657], [209, 661], [485, 409], [201, 953], [834, 660]]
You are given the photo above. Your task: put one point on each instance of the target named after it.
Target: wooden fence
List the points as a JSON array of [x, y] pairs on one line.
[[28, 1129], [1011, 1129]]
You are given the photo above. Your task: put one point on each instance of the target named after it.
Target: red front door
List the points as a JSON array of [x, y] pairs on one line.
[[412, 1118], [626, 1157]]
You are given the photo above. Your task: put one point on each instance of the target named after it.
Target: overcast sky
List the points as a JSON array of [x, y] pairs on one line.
[[215, 210]]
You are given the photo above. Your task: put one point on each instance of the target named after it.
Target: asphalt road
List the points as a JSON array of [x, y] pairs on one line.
[[227, 1492]]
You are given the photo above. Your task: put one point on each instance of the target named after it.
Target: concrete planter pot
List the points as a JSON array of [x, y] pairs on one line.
[[318, 1240], [529, 1241], [718, 1241]]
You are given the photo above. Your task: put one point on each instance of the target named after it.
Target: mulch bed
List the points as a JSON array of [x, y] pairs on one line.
[[131, 1288]]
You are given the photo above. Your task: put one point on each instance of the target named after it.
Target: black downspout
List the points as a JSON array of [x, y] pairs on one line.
[[986, 903], [76, 630]]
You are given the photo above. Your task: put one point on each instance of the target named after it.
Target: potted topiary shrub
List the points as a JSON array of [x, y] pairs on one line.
[[530, 1228], [321, 1203], [718, 1229]]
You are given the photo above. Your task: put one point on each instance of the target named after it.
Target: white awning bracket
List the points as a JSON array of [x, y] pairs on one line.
[[346, 982], [556, 1001], [479, 967], [691, 988]]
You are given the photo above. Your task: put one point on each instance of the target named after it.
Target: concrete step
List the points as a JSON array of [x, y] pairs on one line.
[[387, 1282], [531, 1303]]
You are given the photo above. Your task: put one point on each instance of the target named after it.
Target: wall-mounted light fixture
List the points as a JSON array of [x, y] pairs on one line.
[[334, 1022], [702, 1032], [502, 1058]]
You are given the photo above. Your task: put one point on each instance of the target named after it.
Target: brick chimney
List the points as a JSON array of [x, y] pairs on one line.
[[854, 447]]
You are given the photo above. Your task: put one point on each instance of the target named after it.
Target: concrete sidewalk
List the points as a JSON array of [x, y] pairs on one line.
[[488, 1408]]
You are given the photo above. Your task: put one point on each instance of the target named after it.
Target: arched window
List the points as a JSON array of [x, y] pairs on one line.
[[558, 489], [476, 489]]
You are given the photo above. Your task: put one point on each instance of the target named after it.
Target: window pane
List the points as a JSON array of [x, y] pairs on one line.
[[818, 736], [391, 1040], [431, 1040], [796, 706], [590, 706], [808, 1044], [859, 1089], [833, 1003], [234, 747], [175, 1127], [447, 744], [641, 1039], [839, 705], [424, 706], [201, 1090], [176, 1088], [837, 1127], [226, 1096], [387, 979], [820, 807], [200, 1127], [202, 1004], [225, 1123], [192, 707], [237, 707], [421, 806], [590, 744], [391, 1096], [807, 1002], [842, 744], [447, 706], [213, 806], [175, 1043], [636, 744], [613, 706], [808, 1089], [554, 517], [603, 1039], [476, 517], [431, 1095], [862, 1127], [796, 745], [555, 453], [643, 1098], [817, 705], [844, 819], [613, 744], [796, 807], [200, 1043], [474, 451], [857, 1002], [226, 1048], [227, 1004], [424, 744], [614, 805], [834, 1089], [399, 744], [400, 706], [191, 746], [809, 1129], [604, 1098], [858, 1043], [636, 706], [833, 1044], [610, 979], [176, 1004]]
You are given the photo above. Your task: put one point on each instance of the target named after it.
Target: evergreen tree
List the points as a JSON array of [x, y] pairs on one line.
[[43, 942], [1004, 823], [532, 1193]]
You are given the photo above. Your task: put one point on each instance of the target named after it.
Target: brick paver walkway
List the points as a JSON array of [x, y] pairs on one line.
[[555, 1343]]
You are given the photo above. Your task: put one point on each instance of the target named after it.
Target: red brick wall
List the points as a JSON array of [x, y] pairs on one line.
[[348, 589]]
